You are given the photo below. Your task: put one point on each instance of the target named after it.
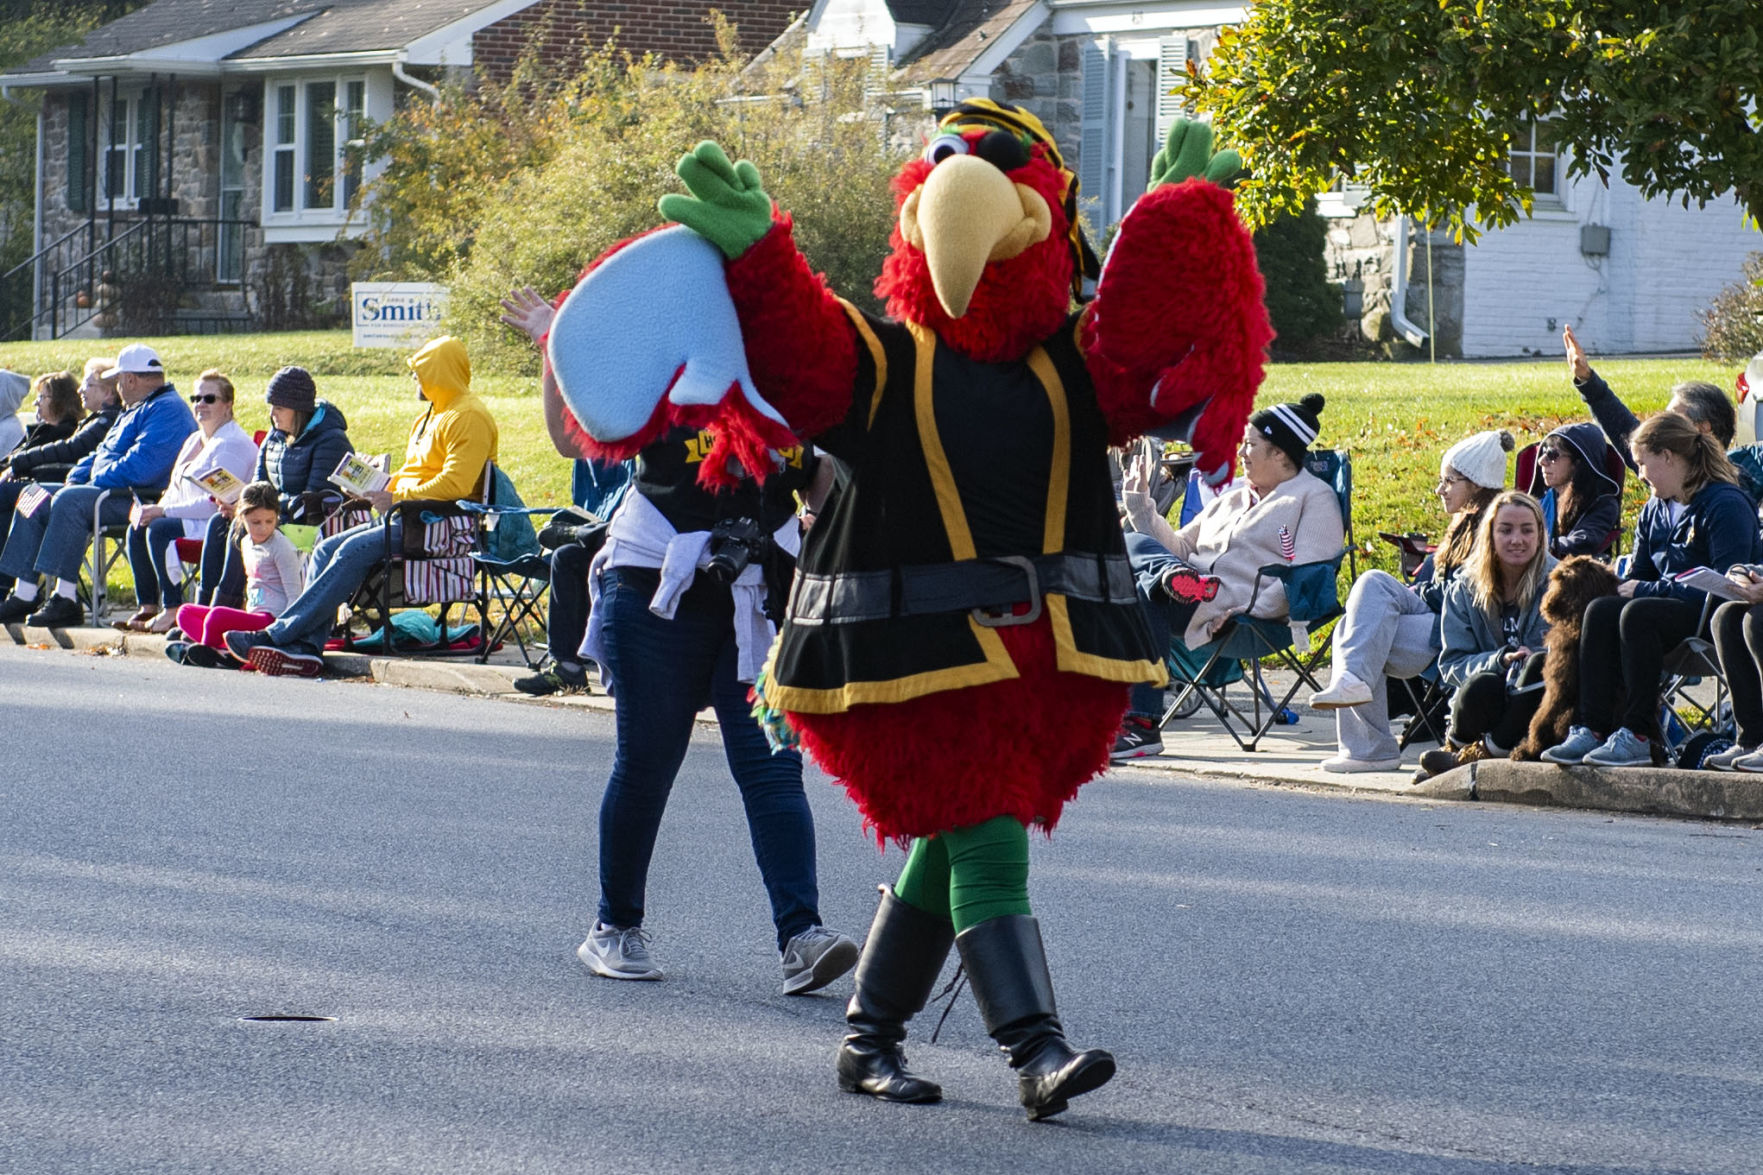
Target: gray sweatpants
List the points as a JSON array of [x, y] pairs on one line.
[[1387, 631]]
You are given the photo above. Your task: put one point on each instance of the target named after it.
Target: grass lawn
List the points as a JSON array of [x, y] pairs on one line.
[[1394, 418]]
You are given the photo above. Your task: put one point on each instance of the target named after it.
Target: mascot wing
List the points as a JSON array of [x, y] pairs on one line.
[[649, 339]]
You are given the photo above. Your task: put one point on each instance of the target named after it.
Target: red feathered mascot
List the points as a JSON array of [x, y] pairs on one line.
[[963, 625]]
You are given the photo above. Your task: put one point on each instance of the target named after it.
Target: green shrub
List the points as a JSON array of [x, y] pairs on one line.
[[1303, 305], [1732, 326]]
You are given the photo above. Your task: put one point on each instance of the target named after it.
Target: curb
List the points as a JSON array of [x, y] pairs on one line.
[[1705, 795]]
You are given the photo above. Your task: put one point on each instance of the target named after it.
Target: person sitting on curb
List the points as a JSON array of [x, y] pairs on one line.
[[599, 487], [1195, 579], [1389, 629], [184, 510], [308, 438], [135, 455], [273, 577], [1625, 637], [1493, 637], [450, 446]]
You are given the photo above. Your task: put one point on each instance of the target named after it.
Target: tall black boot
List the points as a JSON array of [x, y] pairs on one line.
[[1007, 967], [901, 960]]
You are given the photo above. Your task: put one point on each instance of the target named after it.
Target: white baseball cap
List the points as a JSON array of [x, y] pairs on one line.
[[138, 358]]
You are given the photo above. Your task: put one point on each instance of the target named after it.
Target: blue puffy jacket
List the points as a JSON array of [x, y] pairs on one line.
[[297, 465], [141, 447]]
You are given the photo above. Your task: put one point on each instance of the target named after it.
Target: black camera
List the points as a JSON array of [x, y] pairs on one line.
[[734, 543]]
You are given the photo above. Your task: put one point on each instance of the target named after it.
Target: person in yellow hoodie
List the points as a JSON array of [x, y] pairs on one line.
[[446, 456]]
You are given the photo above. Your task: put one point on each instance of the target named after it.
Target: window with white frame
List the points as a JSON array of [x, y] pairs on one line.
[[1532, 159], [128, 138], [312, 126]]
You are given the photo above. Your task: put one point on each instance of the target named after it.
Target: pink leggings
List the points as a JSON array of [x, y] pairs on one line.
[[207, 626]]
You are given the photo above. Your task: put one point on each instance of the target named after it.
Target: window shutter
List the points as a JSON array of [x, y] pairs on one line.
[[79, 157], [1172, 74], [875, 78], [1092, 164]]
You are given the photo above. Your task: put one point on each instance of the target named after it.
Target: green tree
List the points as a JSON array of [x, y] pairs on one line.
[[1300, 300], [528, 182], [1420, 99]]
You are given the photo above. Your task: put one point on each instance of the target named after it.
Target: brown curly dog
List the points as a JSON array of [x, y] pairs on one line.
[[1576, 582]]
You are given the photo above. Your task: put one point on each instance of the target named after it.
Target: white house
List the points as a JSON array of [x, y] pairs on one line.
[[1628, 274]]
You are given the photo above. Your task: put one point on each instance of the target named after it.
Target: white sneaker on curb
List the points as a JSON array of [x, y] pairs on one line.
[[1345, 765], [1344, 690], [1580, 742], [1750, 762], [618, 952], [1719, 761], [815, 958]]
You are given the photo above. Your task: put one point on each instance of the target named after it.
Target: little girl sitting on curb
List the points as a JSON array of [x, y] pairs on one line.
[[273, 576]]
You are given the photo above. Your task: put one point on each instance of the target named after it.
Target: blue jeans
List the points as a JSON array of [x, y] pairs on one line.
[[53, 542], [146, 550], [663, 672], [9, 490], [339, 567], [1150, 559], [223, 566]]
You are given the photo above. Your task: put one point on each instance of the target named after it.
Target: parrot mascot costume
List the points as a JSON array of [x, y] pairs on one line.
[[963, 624]]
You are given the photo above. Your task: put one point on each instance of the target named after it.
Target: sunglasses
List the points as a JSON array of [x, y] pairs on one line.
[[209, 398], [1550, 454]]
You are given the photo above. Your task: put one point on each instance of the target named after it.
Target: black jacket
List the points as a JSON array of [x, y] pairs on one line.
[[304, 463], [53, 461], [40, 434]]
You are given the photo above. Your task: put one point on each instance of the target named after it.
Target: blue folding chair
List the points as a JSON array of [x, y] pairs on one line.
[[1244, 641]]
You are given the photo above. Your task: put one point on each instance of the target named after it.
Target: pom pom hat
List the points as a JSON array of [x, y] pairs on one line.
[[1481, 458], [1292, 427]]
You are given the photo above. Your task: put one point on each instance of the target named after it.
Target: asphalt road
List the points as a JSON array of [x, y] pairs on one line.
[[1292, 982]]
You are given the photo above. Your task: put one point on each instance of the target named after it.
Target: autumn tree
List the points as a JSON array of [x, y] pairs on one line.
[[1421, 100]]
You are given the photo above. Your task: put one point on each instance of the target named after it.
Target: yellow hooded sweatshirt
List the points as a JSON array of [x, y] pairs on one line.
[[449, 443]]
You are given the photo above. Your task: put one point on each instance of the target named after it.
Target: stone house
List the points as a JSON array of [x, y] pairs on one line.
[[1628, 274], [199, 153]]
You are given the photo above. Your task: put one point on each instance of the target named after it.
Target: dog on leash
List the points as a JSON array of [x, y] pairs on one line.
[[1575, 583]]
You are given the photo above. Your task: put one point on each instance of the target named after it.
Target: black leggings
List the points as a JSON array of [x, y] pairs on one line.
[[1622, 647], [1738, 638], [1484, 708]]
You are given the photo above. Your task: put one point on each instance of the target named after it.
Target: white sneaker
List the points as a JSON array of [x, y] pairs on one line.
[[1724, 760], [1344, 765], [1751, 762], [815, 958], [1344, 690], [618, 952]]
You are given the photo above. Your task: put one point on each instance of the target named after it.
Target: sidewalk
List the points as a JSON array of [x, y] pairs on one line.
[[1194, 747]]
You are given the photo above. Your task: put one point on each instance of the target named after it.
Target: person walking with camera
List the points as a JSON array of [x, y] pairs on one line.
[[686, 591]]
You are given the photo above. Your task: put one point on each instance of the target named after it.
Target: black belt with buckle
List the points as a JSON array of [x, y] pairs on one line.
[[990, 587]]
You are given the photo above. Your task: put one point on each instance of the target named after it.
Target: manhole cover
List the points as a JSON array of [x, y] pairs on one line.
[[288, 1019]]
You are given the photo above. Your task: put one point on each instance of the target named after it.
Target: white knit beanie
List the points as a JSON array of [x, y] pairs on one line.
[[1481, 458]]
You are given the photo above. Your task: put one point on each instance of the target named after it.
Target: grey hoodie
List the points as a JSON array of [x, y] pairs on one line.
[[13, 389]]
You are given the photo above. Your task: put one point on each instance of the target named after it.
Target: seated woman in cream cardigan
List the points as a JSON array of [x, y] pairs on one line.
[[1194, 579]]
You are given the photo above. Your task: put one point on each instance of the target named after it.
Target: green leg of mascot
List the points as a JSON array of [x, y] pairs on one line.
[[967, 887]]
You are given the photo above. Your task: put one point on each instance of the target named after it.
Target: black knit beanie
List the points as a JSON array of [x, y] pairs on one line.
[[292, 387], [1292, 427]]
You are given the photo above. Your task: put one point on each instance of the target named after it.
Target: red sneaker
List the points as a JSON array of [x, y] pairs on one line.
[[273, 662], [1187, 586]]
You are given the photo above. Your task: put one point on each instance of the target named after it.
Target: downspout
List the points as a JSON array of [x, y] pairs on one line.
[[414, 83], [1399, 289]]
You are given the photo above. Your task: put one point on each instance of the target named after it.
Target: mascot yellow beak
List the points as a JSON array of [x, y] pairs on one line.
[[966, 214]]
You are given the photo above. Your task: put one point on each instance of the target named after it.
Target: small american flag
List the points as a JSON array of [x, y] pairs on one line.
[[31, 499], [1287, 547]]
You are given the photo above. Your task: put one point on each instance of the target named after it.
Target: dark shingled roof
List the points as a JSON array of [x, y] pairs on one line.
[[971, 28], [931, 12], [330, 26]]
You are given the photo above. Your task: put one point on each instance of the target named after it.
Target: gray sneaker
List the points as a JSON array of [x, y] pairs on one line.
[[1622, 749], [618, 952], [815, 958], [1580, 742], [1724, 760]]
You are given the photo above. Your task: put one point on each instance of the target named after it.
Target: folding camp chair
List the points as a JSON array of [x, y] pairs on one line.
[[1687, 666], [109, 546], [1236, 652], [512, 571]]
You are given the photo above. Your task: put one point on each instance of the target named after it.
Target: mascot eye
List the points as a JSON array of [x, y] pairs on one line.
[[1002, 150], [943, 146]]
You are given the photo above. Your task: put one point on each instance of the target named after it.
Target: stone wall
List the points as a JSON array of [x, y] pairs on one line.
[[1361, 259]]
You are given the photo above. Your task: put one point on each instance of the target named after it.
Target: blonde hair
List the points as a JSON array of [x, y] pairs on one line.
[[1460, 533], [1485, 572], [216, 376], [1669, 432]]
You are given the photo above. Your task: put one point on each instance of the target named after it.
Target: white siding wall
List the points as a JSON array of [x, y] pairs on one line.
[[848, 24], [1665, 263]]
